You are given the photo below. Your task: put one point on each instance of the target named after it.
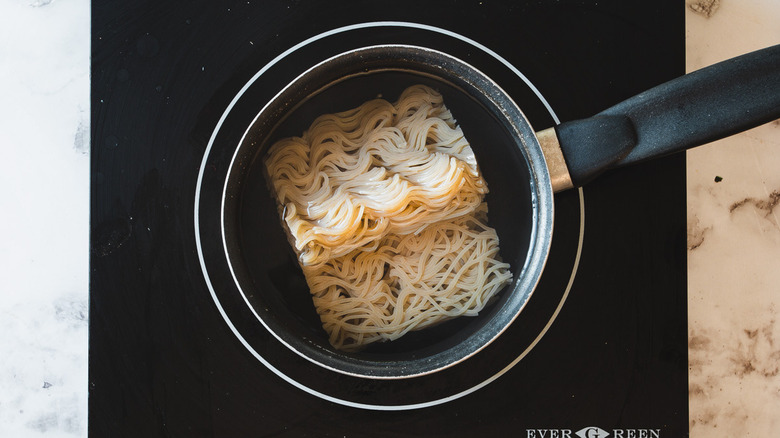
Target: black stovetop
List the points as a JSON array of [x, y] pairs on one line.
[[602, 342]]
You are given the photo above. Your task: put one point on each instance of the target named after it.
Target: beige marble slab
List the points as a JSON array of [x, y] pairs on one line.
[[734, 244]]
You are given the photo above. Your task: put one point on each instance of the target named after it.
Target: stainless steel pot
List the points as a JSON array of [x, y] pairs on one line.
[[523, 169]]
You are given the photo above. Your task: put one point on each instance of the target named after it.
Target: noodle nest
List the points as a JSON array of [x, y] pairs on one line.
[[384, 206]]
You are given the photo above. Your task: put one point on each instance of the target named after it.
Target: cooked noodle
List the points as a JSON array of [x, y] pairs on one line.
[[384, 207]]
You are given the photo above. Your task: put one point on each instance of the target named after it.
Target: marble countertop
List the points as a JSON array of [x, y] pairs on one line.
[[733, 229], [734, 244]]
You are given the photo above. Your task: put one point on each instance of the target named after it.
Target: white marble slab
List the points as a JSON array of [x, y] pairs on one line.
[[734, 229], [44, 219], [734, 246]]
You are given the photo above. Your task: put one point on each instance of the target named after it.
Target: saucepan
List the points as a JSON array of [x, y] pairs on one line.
[[522, 167]]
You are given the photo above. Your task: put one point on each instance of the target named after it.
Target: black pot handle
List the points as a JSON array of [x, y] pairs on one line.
[[700, 107]]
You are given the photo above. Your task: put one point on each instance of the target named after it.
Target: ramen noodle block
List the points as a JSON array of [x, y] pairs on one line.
[[384, 205]]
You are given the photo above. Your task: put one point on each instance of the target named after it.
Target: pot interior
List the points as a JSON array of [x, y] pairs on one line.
[[266, 269]]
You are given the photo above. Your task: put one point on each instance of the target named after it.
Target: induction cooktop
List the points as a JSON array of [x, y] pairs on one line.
[[175, 351]]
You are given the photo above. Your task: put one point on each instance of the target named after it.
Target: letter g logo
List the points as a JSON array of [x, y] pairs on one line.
[[592, 432]]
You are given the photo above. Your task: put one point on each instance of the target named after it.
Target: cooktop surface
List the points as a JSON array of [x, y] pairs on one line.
[[176, 349]]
